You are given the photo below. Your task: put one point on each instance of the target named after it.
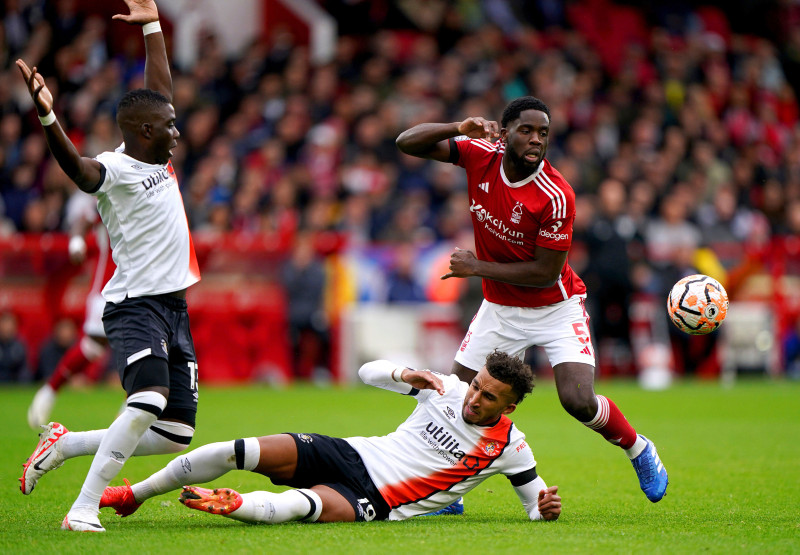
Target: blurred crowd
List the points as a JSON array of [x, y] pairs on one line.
[[678, 132]]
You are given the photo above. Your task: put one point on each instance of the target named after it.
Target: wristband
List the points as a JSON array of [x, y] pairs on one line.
[[77, 246], [48, 119], [401, 375], [152, 27]]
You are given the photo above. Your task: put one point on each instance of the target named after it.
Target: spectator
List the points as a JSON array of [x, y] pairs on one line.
[[13, 352], [402, 285], [303, 278], [665, 102], [63, 337]]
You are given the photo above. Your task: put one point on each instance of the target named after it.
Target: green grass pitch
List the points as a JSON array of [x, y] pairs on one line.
[[733, 456]]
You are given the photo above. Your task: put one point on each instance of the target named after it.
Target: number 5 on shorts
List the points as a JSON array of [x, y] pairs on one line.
[[582, 333]]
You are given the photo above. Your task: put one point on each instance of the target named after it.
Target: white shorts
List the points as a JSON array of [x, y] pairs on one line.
[[93, 324], [562, 329]]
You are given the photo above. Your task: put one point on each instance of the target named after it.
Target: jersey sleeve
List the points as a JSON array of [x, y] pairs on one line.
[[528, 494], [109, 171], [470, 152], [518, 459], [380, 373]]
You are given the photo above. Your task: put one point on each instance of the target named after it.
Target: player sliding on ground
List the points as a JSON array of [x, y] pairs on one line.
[[458, 436]]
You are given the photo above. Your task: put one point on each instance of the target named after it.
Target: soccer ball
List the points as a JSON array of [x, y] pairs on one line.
[[697, 304]]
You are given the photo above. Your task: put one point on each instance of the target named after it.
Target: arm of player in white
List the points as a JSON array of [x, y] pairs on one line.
[[384, 374], [529, 495]]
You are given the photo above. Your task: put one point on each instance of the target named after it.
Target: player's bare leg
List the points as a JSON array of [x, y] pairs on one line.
[[575, 385], [464, 374]]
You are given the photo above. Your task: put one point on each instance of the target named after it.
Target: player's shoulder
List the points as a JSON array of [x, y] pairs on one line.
[[452, 380], [114, 159], [554, 177], [478, 147]]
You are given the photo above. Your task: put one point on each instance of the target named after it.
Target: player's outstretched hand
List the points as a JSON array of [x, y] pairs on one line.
[[142, 11], [461, 264], [549, 503], [423, 379], [42, 97], [479, 128]]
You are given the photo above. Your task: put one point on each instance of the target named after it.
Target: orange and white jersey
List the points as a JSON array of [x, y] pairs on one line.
[[142, 209], [435, 457]]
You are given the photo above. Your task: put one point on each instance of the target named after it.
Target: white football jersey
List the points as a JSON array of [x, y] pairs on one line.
[[435, 457], [141, 206]]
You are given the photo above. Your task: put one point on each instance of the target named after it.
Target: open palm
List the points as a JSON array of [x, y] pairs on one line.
[[142, 11], [42, 97]]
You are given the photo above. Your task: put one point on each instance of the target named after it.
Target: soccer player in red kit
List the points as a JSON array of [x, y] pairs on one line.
[[522, 214]]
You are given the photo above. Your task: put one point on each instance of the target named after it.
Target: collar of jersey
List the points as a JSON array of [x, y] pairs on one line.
[[525, 181], [144, 163]]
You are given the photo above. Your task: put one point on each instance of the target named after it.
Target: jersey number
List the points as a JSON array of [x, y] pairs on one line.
[[192, 375], [581, 332]]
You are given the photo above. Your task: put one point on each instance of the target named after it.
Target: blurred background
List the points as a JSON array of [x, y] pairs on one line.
[[321, 245]]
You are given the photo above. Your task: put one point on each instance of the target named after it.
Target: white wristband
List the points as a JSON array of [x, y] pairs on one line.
[[152, 27], [77, 246], [401, 375], [48, 119]]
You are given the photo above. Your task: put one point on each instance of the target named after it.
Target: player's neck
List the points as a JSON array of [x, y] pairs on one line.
[[141, 156], [516, 174]]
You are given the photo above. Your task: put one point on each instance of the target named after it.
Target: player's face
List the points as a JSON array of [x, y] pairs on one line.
[[164, 134], [486, 399], [526, 140]]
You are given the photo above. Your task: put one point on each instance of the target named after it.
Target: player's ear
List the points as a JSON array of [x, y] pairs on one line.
[[146, 130], [510, 408]]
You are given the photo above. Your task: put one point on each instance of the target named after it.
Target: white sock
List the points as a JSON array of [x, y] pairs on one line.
[[164, 437], [118, 444], [202, 465], [274, 508], [637, 448], [76, 444]]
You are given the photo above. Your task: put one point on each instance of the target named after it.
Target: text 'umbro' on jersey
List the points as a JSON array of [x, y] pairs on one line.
[[141, 206], [435, 457], [511, 219]]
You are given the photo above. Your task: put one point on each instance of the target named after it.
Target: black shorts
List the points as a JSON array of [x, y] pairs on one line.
[[156, 326], [332, 462]]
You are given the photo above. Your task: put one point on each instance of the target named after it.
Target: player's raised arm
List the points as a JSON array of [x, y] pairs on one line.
[[85, 172], [430, 140], [388, 375], [157, 75]]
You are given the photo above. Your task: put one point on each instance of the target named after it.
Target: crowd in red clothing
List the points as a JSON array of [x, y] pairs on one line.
[[677, 131]]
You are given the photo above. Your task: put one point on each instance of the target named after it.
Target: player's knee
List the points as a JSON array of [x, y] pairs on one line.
[[143, 408], [91, 349], [581, 407], [176, 436]]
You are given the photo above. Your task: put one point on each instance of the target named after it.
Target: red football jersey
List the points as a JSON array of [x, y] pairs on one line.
[[510, 219]]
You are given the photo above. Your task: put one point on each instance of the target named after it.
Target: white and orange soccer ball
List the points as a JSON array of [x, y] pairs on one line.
[[697, 304]]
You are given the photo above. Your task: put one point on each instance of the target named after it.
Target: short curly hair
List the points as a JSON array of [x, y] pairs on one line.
[[519, 105], [138, 99], [512, 371]]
